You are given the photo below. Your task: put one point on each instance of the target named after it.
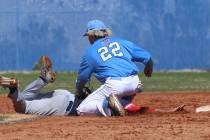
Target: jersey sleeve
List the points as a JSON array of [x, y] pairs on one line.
[[84, 74], [138, 54]]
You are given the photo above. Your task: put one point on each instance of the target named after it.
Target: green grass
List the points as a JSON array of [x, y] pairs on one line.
[[2, 118], [177, 81], [160, 81]]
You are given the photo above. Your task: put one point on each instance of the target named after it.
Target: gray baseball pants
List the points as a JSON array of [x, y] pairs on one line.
[[51, 103]]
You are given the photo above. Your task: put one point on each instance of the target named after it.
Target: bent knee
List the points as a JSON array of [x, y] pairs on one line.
[[93, 110], [86, 109]]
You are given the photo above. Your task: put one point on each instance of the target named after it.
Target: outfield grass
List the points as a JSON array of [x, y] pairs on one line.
[[160, 81], [2, 118], [177, 81]]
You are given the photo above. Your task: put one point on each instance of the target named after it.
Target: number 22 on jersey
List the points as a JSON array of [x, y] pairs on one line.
[[107, 53]]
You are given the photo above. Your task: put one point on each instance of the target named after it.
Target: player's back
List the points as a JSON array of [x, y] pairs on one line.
[[111, 57]]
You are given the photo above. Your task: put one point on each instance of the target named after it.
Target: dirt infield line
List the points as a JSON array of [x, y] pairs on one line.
[[13, 118]]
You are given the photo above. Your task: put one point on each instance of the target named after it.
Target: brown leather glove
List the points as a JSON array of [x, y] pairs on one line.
[[148, 69]]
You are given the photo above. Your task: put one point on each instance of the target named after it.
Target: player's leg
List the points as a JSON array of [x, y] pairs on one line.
[[97, 102], [12, 84], [116, 106], [46, 76], [123, 86], [57, 102], [19, 98], [130, 107], [32, 90], [14, 93], [101, 103], [125, 92]]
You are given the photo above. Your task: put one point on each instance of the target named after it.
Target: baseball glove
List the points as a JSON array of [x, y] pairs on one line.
[[148, 68]]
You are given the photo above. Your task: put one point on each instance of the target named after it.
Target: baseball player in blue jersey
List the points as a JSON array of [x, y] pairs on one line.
[[112, 61], [32, 101]]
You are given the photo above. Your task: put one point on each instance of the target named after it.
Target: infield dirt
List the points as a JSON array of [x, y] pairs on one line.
[[186, 125]]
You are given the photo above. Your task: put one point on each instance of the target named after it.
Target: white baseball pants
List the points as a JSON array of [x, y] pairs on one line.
[[97, 104]]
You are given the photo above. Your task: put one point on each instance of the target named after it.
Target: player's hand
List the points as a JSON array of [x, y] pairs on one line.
[[148, 68], [179, 108], [171, 110], [148, 72]]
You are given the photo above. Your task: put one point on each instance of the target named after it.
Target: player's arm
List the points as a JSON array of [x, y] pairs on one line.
[[84, 75], [170, 110], [140, 55], [135, 109]]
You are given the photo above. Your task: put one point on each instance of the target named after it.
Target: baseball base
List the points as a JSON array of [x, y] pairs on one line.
[[205, 108]]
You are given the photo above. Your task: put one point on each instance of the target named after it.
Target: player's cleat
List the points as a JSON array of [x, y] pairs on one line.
[[46, 73], [139, 88], [116, 106], [8, 82]]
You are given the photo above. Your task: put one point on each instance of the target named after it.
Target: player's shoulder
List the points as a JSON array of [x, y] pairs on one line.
[[116, 39], [121, 40], [107, 40]]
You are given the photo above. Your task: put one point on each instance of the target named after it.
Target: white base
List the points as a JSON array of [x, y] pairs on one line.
[[205, 108]]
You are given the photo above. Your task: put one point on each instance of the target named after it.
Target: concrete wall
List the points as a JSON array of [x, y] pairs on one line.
[[176, 32]]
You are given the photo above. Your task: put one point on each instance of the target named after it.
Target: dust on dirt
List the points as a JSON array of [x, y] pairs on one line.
[[169, 126]]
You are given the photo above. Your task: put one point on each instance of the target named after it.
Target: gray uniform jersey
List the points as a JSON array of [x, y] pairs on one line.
[[57, 102]]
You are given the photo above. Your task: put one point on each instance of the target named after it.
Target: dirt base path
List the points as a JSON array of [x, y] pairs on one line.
[[185, 125]]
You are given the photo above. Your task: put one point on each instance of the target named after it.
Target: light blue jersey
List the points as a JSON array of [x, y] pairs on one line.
[[111, 57]]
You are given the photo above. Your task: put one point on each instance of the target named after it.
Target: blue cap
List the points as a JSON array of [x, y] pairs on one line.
[[96, 25]]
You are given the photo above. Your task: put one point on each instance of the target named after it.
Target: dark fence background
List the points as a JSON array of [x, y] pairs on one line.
[[176, 32]]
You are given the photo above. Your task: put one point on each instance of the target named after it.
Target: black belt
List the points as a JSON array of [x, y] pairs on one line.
[[73, 106]]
